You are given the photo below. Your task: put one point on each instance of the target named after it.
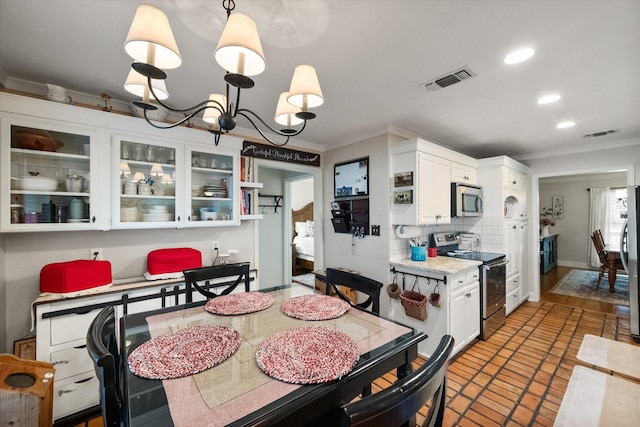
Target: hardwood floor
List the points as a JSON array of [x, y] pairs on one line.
[[519, 375]]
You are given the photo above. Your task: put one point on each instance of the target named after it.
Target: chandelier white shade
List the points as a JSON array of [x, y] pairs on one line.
[[305, 89], [239, 49], [286, 113], [150, 39], [217, 104], [136, 84]]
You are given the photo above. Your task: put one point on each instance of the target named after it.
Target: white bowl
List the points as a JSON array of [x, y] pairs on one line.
[[156, 115], [37, 183]]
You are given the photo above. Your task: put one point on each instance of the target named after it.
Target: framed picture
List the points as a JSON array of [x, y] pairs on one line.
[[403, 197], [25, 348], [556, 206], [403, 179]]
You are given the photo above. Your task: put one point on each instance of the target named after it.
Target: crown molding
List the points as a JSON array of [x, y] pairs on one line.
[[580, 150]]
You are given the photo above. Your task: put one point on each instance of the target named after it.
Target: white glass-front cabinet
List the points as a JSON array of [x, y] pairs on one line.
[[163, 183], [50, 176], [213, 187], [148, 183]]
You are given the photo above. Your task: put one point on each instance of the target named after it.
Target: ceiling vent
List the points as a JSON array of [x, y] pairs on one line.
[[449, 79], [603, 133]]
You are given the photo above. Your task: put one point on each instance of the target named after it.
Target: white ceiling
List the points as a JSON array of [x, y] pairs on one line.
[[372, 58]]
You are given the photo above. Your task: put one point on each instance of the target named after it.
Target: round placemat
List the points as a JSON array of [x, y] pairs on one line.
[[307, 355], [183, 353], [240, 303], [315, 307]]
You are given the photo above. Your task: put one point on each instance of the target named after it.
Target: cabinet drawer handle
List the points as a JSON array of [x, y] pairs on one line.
[[60, 362], [81, 346], [93, 219], [84, 380]]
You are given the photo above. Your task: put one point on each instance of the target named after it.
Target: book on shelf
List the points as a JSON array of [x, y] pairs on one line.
[[246, 169]]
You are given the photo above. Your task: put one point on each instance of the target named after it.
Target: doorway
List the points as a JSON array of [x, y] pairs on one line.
[[274, 232], [572, 229]]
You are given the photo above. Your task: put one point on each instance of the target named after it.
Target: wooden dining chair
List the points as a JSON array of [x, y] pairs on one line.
[[336, 278], [212, 277], [398, 404], [103, 349], [606, 265]]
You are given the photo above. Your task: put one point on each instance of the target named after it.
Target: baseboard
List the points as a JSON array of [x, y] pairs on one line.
[[573, 264]]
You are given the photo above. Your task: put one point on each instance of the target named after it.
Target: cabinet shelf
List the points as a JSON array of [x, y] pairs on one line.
[[48, 193], [16, 152], [210, 170], [146, 197]]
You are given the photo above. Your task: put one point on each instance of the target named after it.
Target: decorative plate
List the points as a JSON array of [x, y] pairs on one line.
[[315, 307], [183, 353], [240, 303], [309, 355]]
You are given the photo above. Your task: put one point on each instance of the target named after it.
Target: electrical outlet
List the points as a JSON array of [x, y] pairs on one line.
[[96, 254], [375, 230], [215, 245]]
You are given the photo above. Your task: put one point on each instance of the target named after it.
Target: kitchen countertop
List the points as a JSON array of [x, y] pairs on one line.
[[438, 265]]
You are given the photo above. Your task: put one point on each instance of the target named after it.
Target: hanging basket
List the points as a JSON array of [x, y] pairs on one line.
[[393, 289], [414, 303]]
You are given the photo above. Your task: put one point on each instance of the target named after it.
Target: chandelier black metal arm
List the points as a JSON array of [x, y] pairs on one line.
[[288, 133], [228, 113]]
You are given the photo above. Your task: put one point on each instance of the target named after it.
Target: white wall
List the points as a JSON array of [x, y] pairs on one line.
[[573, 228], [301, 193], [370, 255]]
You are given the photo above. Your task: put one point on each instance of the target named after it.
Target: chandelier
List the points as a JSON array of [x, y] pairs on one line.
[[151, 44]]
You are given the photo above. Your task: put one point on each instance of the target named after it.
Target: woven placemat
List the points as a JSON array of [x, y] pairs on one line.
[[315, 307], [184, 352], [241, 303], [307, 355]]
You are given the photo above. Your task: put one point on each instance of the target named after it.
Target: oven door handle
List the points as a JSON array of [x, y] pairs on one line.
[[500, 264]]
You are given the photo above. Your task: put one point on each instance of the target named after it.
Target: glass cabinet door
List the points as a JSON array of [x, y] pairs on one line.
[[212, 186], [146, 183], [48, 182]]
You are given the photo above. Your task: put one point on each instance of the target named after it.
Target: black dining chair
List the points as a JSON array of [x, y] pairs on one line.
[[237, 273], [336, 278], [103, 349], [398, 404]]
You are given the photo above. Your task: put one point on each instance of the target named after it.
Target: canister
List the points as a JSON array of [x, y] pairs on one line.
[[76, 209], [418, 253]]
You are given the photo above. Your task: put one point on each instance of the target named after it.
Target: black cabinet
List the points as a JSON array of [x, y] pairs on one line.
[[548, 253]]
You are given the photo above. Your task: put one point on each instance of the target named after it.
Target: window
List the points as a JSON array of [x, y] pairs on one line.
[[617, 215]]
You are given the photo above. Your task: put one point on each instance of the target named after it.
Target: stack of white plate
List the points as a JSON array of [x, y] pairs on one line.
[[157, 216]]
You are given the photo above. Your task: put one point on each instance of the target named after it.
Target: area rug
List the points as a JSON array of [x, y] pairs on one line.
[[582, 284], [308, 279]]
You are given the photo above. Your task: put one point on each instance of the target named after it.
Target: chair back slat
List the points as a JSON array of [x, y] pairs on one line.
[[370, 287], [399, 403], [238, 271]]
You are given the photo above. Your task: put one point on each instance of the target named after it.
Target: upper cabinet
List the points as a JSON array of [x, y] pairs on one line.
[[505, 185], [108, 171], [49, 180], [463, 173], [422, 173]]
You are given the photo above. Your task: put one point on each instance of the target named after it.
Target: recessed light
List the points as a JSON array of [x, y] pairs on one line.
[[518, 56], [548, 99], [564, 125]]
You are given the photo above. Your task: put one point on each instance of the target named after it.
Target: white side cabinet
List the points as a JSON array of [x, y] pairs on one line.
[[61, 331], [464, 308]]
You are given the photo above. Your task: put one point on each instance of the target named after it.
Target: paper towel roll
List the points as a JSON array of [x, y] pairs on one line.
[[408, 231]]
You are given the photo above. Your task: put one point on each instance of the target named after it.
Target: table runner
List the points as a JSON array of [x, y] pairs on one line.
[[237, 387], [612, 355]]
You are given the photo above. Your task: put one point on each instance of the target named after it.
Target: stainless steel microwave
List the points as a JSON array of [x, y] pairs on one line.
[[466, 200]]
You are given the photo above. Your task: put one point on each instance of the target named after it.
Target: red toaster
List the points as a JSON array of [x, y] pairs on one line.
[[162, 261], [74, 276]]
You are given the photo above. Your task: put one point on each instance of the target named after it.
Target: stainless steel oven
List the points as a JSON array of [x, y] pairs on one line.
[[493, 293]]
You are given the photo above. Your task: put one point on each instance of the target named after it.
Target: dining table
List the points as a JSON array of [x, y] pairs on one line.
[[613, 263], [237, 392]]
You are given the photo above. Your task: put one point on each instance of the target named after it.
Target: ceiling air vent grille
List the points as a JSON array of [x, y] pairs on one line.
[[449, 79], [603, 133]]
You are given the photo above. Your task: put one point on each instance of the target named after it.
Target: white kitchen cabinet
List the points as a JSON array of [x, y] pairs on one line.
[[50, 179], [463, 173], [506, 190], [459, 311], [429, 198], [61, 330], [464, 309]]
